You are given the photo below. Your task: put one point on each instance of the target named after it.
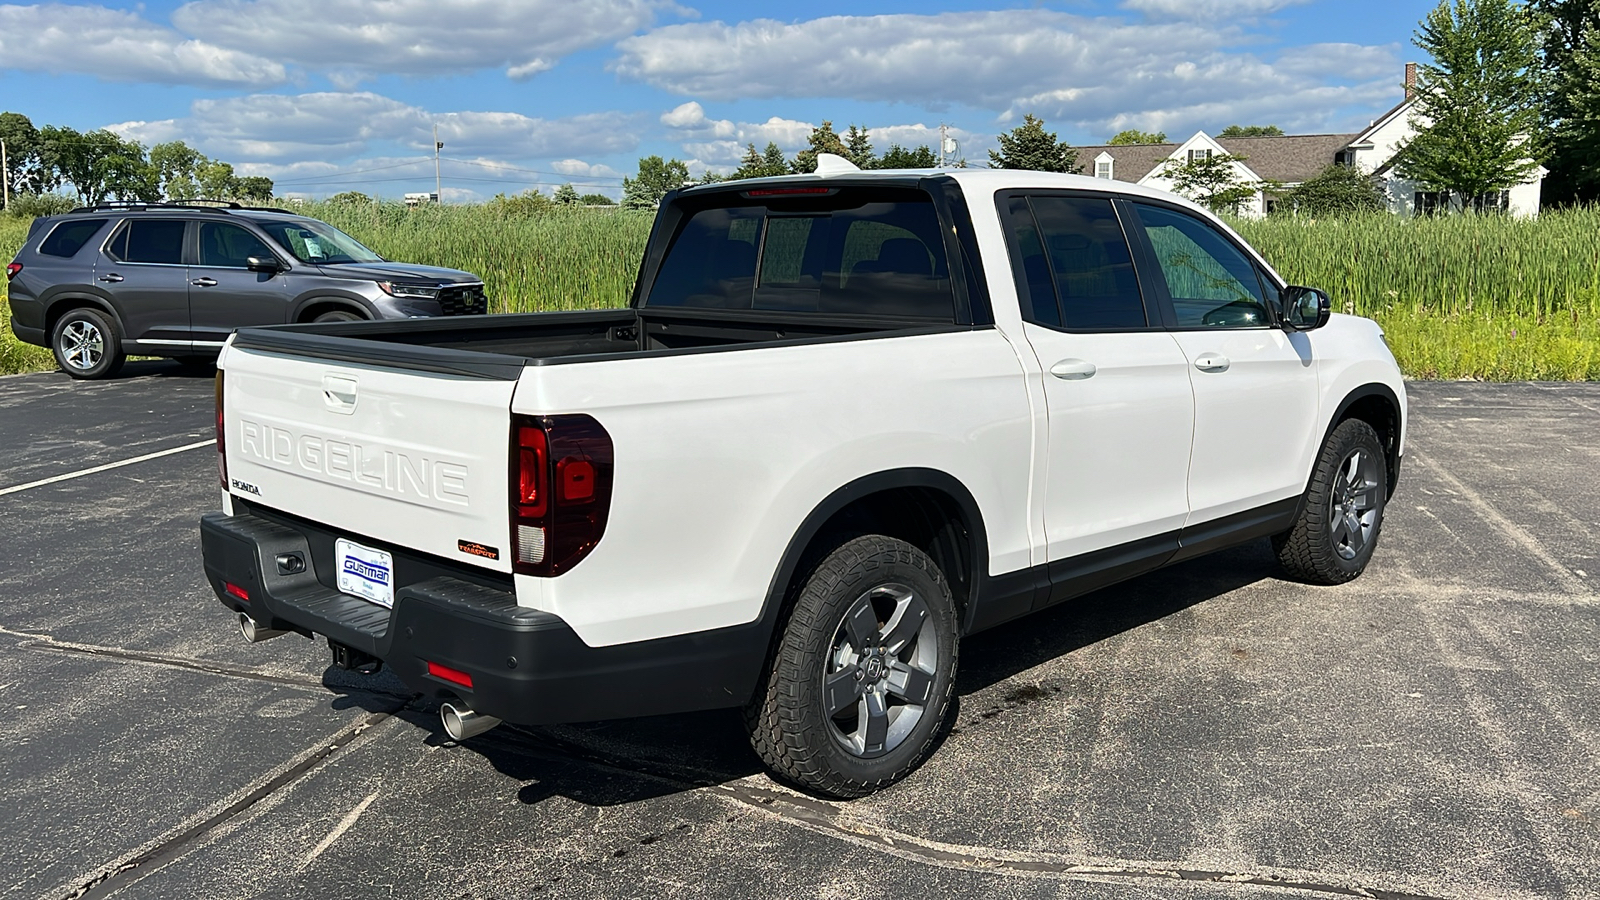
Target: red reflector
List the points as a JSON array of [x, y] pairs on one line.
[[768, 192], [453, 676], [577, 480], [236, 591], [12, 269]]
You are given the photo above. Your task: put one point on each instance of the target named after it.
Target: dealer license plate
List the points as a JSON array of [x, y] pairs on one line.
[[365, 572]]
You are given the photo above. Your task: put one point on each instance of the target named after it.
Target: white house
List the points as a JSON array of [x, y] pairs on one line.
[[1291, 159]]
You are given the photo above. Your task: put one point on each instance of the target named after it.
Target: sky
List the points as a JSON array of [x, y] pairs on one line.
[[331, 95]]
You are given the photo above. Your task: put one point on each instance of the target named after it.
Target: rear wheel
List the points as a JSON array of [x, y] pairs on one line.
[[862, 679], [1342, 514], [87, 344]]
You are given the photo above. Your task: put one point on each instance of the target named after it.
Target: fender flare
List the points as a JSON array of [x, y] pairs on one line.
[[1370, 389], [349, 301]]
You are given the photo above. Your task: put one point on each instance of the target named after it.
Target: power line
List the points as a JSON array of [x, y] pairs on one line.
[[473, 162]]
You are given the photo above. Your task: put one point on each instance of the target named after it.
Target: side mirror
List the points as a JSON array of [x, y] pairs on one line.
[[1303, 308], [264, 264]]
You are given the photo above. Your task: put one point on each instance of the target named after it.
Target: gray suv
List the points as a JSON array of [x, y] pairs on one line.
[[100, 283]]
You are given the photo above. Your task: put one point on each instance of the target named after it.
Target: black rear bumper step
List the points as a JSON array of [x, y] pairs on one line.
[[526, 665]]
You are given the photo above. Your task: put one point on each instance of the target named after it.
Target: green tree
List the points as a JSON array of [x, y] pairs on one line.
[[254, 189], [349, 197], [1336, 190], [761, 164], [823, 139], [858, 148], [215, 180], [1211, 181], [566, 195], [1029, 146], [898, 157], [596, 200], [99, 165], [1251, 131], [24, 156], [1477, 110], [175, 163], [656, 177], [1569, 62], [1134, 136], [527, 203]]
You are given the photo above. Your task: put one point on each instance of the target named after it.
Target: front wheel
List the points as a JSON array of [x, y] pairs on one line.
[[338, 315], [1342, 513], [87, 344], [863, 675]]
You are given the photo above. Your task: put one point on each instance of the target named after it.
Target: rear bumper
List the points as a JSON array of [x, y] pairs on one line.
[[28, 335], [527, 666]]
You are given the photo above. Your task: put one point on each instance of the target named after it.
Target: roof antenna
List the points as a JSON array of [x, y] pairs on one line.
[[834, 164]]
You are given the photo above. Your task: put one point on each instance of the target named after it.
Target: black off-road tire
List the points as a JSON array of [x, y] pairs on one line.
[[1321, 547], [789, 724], [87, 344]]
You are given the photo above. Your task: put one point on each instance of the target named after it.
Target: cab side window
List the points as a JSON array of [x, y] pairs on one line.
[[1077, 271], [222, 244], [1212, 284]]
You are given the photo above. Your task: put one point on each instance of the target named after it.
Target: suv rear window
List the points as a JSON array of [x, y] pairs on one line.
[[859, 251], [149, 241], [67, 238]]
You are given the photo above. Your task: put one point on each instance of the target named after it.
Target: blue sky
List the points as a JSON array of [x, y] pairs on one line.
[[329, 95]]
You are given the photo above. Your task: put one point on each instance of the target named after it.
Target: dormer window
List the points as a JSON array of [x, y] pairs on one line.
[[1195, 155], [1102, 169]]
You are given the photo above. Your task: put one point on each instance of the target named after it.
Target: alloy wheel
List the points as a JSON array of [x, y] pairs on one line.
[[1353, 504], [82, 345], [880, 672]]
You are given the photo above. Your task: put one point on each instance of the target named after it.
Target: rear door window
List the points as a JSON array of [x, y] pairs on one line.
[[67, 238], [157, 241], [1077, 270], [857, 252]]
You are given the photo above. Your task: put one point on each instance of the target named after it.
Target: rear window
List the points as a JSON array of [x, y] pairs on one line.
[[67, 238], [149, 241], [857, 252]]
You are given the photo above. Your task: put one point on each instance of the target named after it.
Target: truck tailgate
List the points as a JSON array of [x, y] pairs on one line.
[[414, 458]]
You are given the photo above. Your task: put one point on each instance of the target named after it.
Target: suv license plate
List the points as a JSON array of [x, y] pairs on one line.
[[365, 572]]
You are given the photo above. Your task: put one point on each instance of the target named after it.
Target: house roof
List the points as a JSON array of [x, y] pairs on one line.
[[1290, 159]]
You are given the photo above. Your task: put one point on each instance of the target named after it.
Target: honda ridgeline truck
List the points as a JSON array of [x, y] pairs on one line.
[[846, 420]]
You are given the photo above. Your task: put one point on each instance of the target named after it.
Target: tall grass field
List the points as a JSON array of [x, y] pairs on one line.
[[1459, 297]]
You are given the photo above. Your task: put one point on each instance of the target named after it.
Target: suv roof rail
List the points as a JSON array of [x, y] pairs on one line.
[[197, 203]]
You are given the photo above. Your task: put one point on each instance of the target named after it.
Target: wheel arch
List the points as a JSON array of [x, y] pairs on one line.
[[61, 305], [309, 308], [927, 508], [1377, 405]]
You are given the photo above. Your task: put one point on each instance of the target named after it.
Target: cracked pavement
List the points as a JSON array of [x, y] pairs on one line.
[[1208, 731]]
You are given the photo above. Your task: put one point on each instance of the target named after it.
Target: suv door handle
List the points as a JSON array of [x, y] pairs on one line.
[[1073, 369], [204, 282], [1212, 362], [112, 278]]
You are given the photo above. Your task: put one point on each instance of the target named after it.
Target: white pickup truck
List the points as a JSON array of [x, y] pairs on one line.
[[846, 420]]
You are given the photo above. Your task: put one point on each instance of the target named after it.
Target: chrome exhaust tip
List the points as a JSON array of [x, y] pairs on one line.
[[461, 722], [254, 633]]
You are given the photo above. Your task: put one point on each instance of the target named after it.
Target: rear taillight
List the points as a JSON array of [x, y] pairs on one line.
[[561, 470], [222, 456], [12, 269]]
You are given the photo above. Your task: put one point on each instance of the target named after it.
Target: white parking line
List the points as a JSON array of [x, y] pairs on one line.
[[338, 830], [116, 465]]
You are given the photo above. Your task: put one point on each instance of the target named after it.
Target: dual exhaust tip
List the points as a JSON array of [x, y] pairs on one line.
[[460, 720]]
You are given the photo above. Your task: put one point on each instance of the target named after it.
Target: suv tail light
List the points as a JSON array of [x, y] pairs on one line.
[[561, 471], [12, 270], [222, 456]]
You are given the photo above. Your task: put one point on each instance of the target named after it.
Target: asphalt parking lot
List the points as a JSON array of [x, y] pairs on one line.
[[1431, 730]]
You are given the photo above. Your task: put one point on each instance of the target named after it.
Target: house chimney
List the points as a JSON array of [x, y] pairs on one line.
[[1411, 79]]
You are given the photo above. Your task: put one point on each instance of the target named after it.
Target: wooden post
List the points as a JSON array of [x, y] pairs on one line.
[[5, 174]]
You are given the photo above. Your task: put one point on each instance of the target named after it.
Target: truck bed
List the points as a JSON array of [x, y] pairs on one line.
[[500, 346]]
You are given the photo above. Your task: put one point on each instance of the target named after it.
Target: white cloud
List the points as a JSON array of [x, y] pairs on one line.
[[719, 142], [117, 45], [284, 128], [1209, 10], [577, 168], [356, 38], [1090, 72]]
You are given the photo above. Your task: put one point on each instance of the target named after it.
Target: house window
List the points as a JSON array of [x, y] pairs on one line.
[[1430, 203], [1199, 154], [1102, 169], [1492, 202]]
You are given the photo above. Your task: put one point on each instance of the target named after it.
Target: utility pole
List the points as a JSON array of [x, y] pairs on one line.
[[942, 129], [5, 173], [438, 189]]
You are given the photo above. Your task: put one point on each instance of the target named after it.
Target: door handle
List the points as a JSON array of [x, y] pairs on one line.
[[204, 282], [1212, 362], [112, 278], [1073, 369]]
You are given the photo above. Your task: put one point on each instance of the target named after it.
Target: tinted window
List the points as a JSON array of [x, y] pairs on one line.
[[317, 242], [222, 244], [856, 252], [1073, 250], [1211, 282], [69, 237], [149, 241]]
